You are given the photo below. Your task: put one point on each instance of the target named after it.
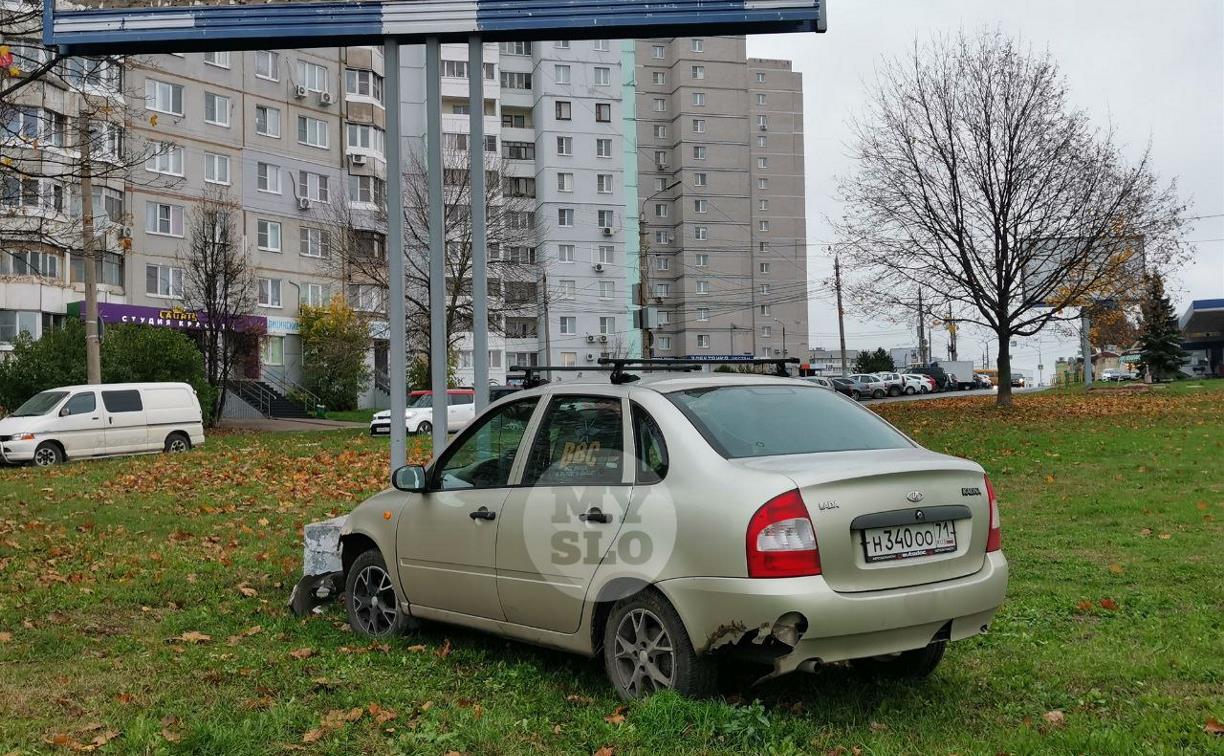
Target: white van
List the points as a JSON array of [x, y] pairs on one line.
[[96, 421]]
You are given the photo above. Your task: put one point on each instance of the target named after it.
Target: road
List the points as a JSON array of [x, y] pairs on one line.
[[949, 395]]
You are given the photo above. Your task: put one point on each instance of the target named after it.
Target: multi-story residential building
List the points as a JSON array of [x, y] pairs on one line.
[[723, 223], [295, 140]]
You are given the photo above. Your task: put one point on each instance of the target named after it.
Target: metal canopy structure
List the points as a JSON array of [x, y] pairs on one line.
[[82, 30]]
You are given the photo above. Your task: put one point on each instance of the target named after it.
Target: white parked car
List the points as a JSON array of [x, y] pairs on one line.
[[816, 380], [667, 522], [97, 421], [877, 385], [916, 384], [418, 416]]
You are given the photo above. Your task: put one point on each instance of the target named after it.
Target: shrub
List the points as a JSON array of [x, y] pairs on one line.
[[334, 346]]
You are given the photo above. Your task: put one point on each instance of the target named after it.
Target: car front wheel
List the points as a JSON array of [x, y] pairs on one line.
[[646, 650], [373, 608], [916, 664], [909, 390], [48, 454]]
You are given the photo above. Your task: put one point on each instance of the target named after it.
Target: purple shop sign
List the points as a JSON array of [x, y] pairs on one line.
[[166, 317]]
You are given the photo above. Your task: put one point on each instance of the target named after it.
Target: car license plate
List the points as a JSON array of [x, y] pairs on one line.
[[909, 541]]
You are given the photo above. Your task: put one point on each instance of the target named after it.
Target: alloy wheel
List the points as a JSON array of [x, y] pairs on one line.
[[45, 456], [374, 602], [644, 657], [177, 445]]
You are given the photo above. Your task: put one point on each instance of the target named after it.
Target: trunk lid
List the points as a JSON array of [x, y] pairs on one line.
[[840, 487]]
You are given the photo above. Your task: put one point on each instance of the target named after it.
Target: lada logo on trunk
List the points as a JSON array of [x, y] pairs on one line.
[[915, 496]]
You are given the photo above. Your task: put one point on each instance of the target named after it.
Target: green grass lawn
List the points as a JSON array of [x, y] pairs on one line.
[[142, 608], [352, 416]]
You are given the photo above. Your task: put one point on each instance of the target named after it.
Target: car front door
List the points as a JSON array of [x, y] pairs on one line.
[[126, 429], [80, 427], [445, 543], [559, 524]]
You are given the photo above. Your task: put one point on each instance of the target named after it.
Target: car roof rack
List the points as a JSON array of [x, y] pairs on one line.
[[532, 377], [686, 364]]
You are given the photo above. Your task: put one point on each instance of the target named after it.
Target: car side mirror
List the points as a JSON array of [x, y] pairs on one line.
[[64, 412], [410, 478]]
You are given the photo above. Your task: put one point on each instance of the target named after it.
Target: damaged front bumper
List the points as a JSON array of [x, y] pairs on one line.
[[797, 623]]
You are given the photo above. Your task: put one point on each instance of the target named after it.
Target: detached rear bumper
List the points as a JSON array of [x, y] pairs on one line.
[[724, 611]]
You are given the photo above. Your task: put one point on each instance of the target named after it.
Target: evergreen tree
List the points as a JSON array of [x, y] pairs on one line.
[[878, 361], [1159, 337]]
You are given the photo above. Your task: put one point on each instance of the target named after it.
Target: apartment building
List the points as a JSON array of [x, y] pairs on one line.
[[720, 159]]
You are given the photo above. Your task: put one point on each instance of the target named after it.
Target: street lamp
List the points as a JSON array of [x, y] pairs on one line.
[[783, 324], [644, 266]]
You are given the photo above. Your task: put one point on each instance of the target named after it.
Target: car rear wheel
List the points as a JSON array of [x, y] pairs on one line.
[[425, 429], [878, 394], [646, 650], [48, 454], [914, 665], [909, 390], [373, 608], [177, 443], [894, 391]]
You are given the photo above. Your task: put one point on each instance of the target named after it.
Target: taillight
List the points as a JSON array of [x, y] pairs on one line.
[[994, 541], [781, 541]]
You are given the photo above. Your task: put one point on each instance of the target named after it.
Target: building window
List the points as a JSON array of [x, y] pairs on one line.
[[764, 289], [665, 317], [699, 125], [660, 105], [762, 122], [565, 217], [267, 65], [164, 219], [762, 183], [561, 44], [268, 235], [518, 48], [700, 179], [218, 59], [764, 267], [763, 225], [366, 298], [315, 295], [312, 132], [699, 152], [272, 351], [703, 314], [763, 205], [269, 292], [662, 237], [766, 332], [564, 110], [267, 121], [164, 281], [367, 139], [312, 76], [603, 76], [602, 45], [662, 263], [703, 341], [565, 182], [663, 343], [701, 233], [702, 260], [703, 287], [765, 310], [701, 205], [760, 77], [603, 183], [313, 186], [658, 52], [661, 209], [216, 109], [569, 325], [364, 84], [699, 99], [518, 186], [216, 168], [696, 44], [565, 253], [660, 131], [603, 148], [268, 178], [762, 162], [312, 242], [607, 289], [367, 190], [760, 99], [605, 254], [762, 141], [164, 97], [603, 112], [569, 359], [166, 158], [565, 146], [662, 290], [697, 72], [561, 75], [515, 80]]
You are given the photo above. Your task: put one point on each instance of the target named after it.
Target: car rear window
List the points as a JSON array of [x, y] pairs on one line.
[[764, 421]]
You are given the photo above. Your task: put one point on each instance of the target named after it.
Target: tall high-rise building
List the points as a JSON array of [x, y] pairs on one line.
[[723, 224]]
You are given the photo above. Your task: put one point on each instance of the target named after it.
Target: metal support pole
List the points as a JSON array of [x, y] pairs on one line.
[[1086, 345], [480, 252], [397, 321], [438, 361]]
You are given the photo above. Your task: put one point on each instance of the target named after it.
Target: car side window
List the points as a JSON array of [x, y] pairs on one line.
[[580, 442], [459, 399], [651, 462], [81, 404], [122, 401], [484, 457]]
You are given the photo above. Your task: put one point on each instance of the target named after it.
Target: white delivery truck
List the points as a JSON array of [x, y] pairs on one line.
[[962, 369]]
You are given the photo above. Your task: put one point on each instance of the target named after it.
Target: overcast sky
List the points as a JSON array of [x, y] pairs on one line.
[[1155, 71]]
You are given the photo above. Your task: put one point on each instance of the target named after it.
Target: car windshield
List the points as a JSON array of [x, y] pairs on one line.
[[764, 421], [424, 400], [40, 404]]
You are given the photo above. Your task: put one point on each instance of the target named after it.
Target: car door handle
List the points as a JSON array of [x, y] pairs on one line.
[[594, 515], [483, 514]]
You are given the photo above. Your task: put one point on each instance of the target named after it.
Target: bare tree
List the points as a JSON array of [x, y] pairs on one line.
[[357, 252], [218, 287], [979, 185], [67, 161]]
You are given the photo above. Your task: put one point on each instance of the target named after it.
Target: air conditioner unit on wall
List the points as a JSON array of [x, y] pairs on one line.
[[599, 267], [590, 357], [303, 203], [590, 339], [603, 339], [326, 98], [358, 159], [299, 91], [607, 231]]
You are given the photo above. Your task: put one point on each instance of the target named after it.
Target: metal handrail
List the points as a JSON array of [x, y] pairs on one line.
[[290, 390], [382, 381], [253, 393]]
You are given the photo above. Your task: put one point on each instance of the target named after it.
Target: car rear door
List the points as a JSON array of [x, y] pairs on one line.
[[560, 523], [126, 429]]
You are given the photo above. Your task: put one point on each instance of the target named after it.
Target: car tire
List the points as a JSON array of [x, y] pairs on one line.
[[894, 391], [367, 593], [177, 443], [425, 428], [644, 621], [909, 391], [48, 454], [854, 395], [912, 665], [877, 394]]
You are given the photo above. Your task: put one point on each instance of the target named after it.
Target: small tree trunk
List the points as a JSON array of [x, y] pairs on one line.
[[1004, 398], [93, 350]]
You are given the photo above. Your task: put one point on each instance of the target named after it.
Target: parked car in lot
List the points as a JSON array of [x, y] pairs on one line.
[[851, 388], [874, 384], [701, 517], [1017, 381], [418, 416], [894, 383], [982, 381], [1116, 374], [98, 421], [918, 384], [820, 381], [938, 376]]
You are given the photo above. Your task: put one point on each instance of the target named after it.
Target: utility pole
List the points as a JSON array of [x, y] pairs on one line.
[[841, 326], [1086, 345], [951, 336], [547, 341], [93, 351], [922, 346]]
